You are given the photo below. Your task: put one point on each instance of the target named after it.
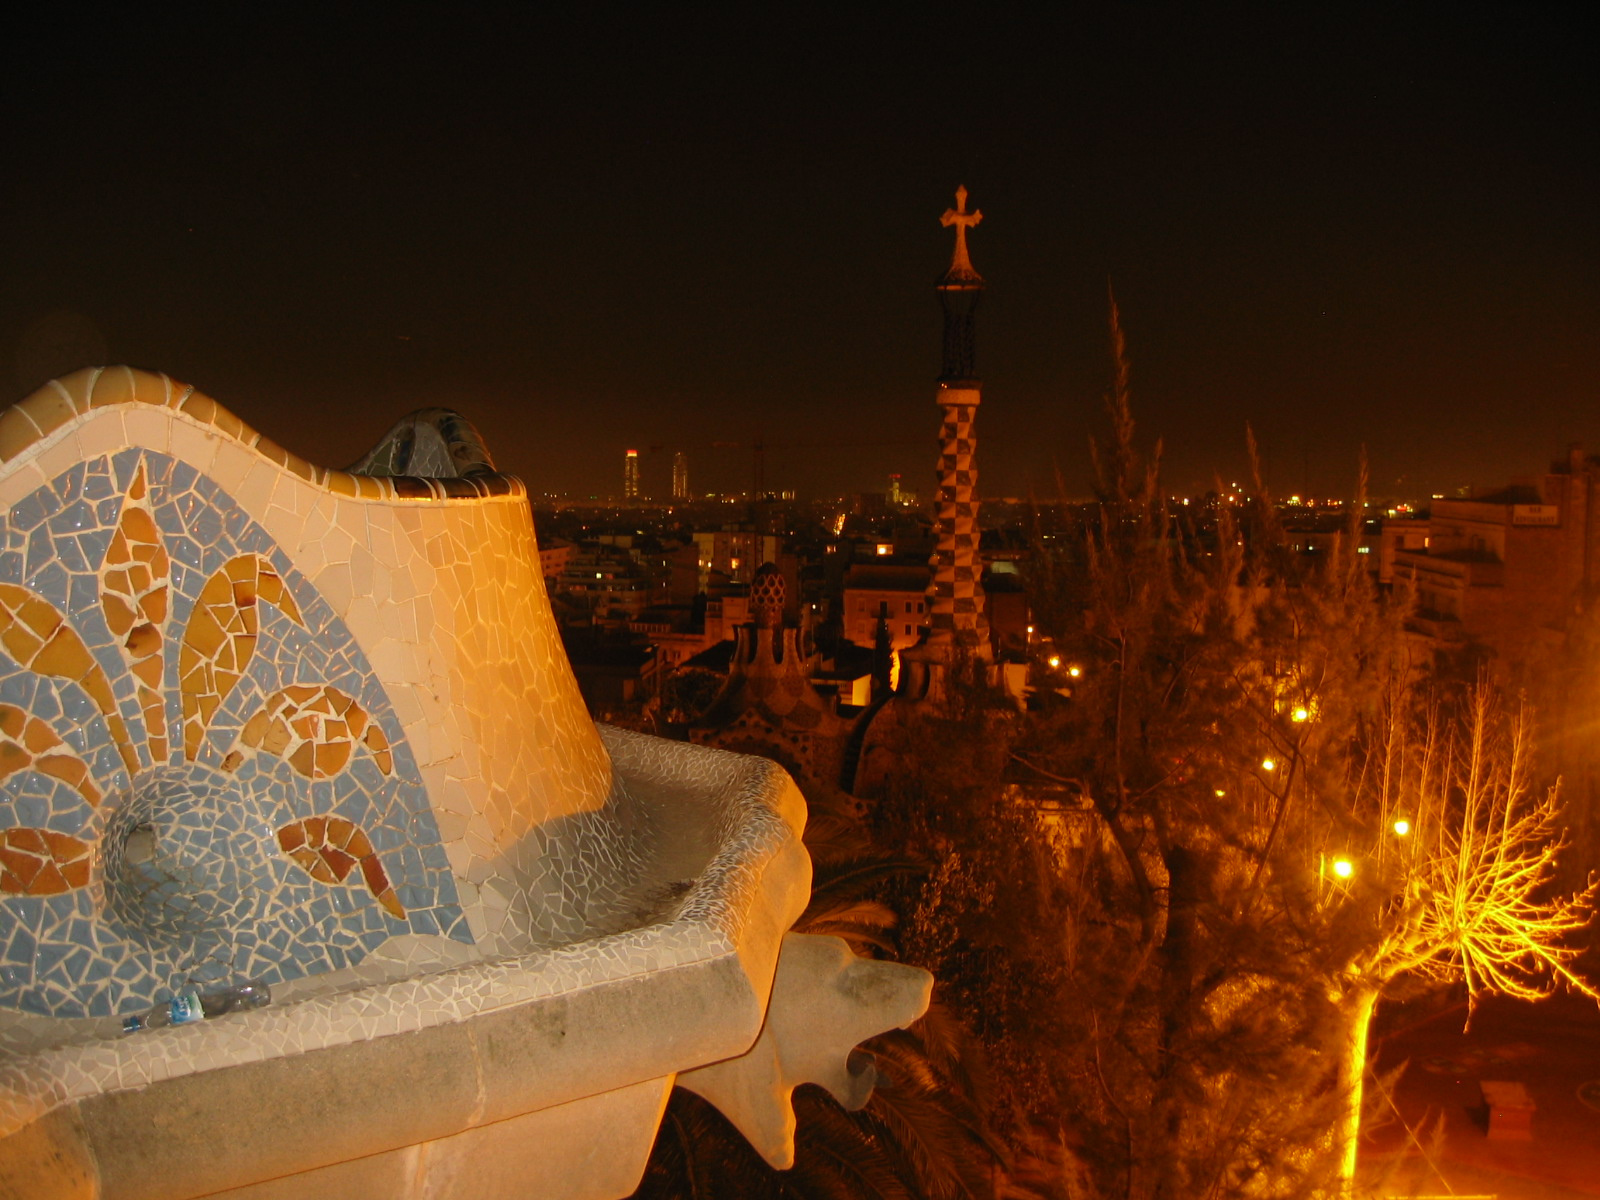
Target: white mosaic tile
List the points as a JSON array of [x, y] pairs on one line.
[[516, 864]]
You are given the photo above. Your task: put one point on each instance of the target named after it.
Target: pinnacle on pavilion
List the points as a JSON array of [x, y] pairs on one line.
[[955, 595]]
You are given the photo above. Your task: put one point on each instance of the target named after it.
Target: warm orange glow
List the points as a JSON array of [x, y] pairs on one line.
[[1268, 764], [1055, 661], [1074, 671], [1343, 868], [1402, 826], [1301, 714]]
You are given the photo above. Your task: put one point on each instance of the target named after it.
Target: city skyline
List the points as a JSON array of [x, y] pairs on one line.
[[1342, 228]]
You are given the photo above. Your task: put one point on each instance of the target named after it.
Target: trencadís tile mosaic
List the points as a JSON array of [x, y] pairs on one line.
[[201, 776]]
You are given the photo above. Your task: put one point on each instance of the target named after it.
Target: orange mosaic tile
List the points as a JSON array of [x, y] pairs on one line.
[[42, 862], [133, 596], [29, 744], [220, 639], [315, 728], [39, 639], [330, 848]]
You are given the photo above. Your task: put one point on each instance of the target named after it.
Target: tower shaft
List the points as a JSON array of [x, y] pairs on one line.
[[955, 597], [955, 594]]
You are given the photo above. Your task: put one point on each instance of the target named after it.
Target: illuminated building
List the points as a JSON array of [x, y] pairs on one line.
[[630, 476], [680, 476], [897, 593], [1507, 569]]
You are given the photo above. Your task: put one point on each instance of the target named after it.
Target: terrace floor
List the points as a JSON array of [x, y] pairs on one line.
[[1552, 1048]]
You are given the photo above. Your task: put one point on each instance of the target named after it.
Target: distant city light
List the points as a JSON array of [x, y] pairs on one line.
[[1055, 661], [1074, 671], [1268, 764], [1402, 826], [1301, 714], [1343, 868]]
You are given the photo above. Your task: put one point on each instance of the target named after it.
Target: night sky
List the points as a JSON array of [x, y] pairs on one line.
[[651, 229]]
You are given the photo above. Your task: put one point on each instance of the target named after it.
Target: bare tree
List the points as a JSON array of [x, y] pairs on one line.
[[1455, 874]]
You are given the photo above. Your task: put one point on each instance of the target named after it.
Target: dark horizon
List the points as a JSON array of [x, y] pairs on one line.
[[1342, 229]]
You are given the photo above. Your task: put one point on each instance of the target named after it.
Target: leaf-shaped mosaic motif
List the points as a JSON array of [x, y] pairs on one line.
[[220, 639], [42, 862], [134, 597], [331, 848], [315, 728], [179, 864], [28, 744], [37, 636]]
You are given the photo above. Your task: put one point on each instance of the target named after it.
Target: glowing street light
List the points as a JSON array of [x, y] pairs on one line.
[[1301, 714], [1268, 764], [1074, 671], [1055, 661], [1343, 868], [1401, 826]]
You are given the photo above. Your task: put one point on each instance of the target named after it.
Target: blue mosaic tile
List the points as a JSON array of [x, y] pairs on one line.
[[219, 896], [28, 513]]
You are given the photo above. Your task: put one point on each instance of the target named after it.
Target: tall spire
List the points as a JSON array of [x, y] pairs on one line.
[[955, 595], [960, 288]]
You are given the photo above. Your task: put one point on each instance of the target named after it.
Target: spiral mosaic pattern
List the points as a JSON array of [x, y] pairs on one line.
[[201, 777]]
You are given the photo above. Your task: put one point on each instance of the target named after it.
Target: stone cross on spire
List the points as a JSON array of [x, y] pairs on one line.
[[960, 265]]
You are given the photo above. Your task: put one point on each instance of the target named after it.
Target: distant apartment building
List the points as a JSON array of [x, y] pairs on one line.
[[554, 557], [899, 593], [1397, 534], [605, 583], [736, 553], [630, 475], [680, 476], [1507, 569]]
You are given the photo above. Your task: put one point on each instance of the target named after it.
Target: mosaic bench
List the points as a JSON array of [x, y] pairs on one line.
[[261, 720]]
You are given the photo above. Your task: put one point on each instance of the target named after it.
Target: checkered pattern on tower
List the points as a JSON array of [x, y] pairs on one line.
[[955, 597]]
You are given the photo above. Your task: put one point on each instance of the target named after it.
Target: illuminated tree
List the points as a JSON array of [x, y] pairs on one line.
[[1455, 881], [1141, 901]]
